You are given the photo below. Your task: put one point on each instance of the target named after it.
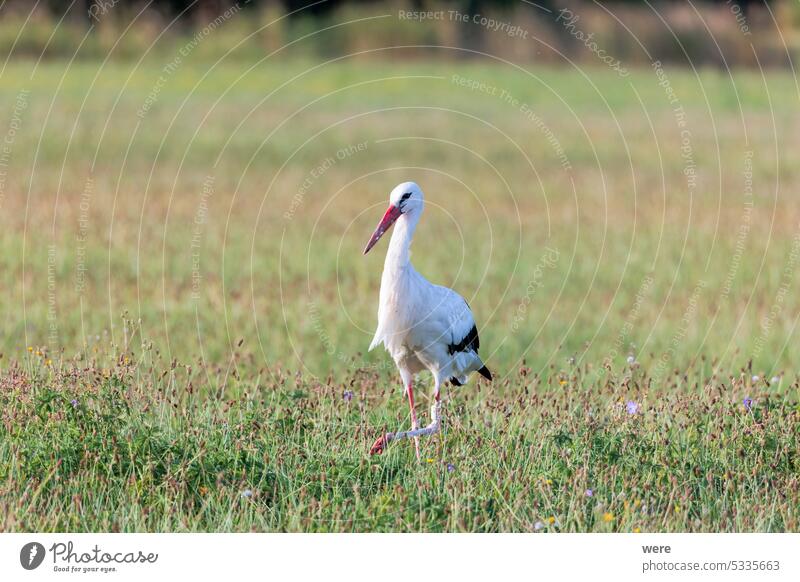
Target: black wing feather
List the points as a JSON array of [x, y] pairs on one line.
[[470, 342]]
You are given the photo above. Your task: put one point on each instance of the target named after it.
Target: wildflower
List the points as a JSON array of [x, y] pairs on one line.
[[551, 520], [755, 378], [548, 481], [203, 490], [747, 403], [631, 359], [247, 493], [775, 379], [348, 395], [562, 382], [450, 467], [637, 530], [74, 403], [589, 493], [607, 517], [429, 460], [538, 525], [632, 407], [30, 348]]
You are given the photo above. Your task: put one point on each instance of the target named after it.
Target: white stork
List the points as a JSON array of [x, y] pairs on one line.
[[423, 326]]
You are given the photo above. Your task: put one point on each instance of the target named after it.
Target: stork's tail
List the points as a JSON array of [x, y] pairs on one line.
[[376, 341], [484, 371]]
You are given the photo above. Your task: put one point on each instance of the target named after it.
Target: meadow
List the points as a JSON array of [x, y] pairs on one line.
[[187, 310]]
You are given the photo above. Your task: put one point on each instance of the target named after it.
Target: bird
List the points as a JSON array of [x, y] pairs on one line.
[[423, 326]]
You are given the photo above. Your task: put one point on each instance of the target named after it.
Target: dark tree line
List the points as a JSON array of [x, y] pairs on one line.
[[191, 9]]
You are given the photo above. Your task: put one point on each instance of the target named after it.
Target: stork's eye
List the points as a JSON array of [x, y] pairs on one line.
[[406, 196]]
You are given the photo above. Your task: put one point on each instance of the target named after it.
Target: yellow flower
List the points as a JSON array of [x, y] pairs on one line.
[[637, 530], [551, 520], [30, 348], [563, 382], [49, 362], [203, 490], [429, 460], [608, 517], [677, 508], [549, 481]]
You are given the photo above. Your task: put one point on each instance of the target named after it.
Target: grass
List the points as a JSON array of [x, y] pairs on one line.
[[136, 447], [190, 285]]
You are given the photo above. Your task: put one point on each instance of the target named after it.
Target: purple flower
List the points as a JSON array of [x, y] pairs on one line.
[[589, 493], [348, 395], [632, 407], [450, 467], [74, 403], [748, 403]]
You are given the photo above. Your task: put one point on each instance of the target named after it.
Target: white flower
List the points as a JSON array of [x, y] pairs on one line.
[[631, 359], [776, 379], [247, 493], [538, 525], [756, 378]]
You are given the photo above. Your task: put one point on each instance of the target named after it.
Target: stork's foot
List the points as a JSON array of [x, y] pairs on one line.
[[379, 446]]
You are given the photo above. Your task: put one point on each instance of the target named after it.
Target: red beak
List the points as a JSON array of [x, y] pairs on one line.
[[392, 214]]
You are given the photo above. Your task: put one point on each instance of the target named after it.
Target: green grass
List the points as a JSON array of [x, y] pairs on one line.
[[208, 329], [132, 448]]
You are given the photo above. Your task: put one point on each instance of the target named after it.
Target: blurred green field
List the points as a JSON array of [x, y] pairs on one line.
[[112, 205], [181, 254]]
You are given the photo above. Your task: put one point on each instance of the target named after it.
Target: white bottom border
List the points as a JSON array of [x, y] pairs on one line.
[[406, 557]]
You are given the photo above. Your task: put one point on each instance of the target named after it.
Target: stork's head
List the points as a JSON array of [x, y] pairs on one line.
[[406, 198]]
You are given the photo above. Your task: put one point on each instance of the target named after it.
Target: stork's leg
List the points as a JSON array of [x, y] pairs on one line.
[[382, 442], [436, 413], [436, 408], [432, 428]]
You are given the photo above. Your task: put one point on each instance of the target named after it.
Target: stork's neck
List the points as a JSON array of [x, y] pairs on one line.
[[398, 255]]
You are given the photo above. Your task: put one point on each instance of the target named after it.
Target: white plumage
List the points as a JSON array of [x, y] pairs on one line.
[[423, 326]]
